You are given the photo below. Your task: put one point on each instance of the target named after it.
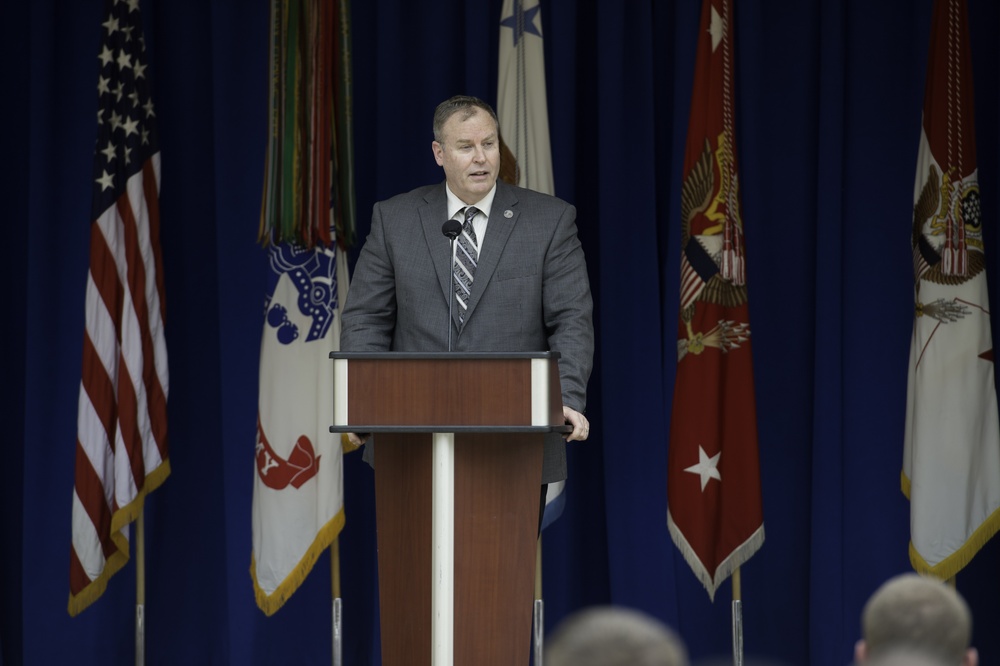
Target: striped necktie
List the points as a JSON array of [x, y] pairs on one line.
[[466, 258]]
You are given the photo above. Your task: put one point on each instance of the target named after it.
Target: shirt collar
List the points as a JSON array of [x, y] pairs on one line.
[[484, 205]]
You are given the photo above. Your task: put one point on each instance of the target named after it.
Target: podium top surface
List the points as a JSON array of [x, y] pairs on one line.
[[402, 356]]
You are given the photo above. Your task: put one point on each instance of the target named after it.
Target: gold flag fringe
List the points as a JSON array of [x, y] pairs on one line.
[[271, 603], [951, 565], [119, 520]]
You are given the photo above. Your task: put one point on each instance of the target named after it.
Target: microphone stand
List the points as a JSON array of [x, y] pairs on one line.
[[451, 229], [451, 293]]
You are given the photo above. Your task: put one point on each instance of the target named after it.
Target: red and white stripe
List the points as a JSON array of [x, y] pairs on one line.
[[691, 283], [121, 451]]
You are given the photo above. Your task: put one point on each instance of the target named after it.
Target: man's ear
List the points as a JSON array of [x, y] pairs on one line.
[[861, 651], [971, 657], [438, 151]]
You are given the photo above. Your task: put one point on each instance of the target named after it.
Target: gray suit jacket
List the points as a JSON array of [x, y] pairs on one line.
[[530, 293]]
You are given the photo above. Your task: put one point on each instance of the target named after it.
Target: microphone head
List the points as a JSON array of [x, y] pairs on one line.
[[451, 229]]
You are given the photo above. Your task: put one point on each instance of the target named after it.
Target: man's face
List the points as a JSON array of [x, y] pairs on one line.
[[470, 154]]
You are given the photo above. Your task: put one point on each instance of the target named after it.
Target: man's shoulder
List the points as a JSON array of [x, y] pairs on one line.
[[529, 198], [415, 196]]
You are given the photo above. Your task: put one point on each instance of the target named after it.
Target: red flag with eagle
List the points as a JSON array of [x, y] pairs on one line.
[[951, 459], [713, 480]]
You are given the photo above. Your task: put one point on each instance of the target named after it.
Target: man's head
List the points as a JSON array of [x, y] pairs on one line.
[[467, 145], [614, 636], [917, 613]]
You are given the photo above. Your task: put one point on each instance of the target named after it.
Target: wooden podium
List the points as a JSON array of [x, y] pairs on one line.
[[458, 473]]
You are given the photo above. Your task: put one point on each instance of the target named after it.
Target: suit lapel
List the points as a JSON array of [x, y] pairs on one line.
[[497, 232], [433, 214]]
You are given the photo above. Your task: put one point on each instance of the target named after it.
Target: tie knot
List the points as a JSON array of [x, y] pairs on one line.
[[470, 214]]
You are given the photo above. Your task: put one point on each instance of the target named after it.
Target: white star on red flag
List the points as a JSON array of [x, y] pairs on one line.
[[707, 468]]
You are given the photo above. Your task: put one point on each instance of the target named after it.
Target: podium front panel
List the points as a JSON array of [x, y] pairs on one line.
[[497, 495], [403, 479]]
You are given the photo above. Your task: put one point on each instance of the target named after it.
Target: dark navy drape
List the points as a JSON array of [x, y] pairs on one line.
[[829, 94]]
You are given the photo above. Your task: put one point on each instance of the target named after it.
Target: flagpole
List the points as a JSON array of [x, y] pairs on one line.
[[737, 619], [140, 588], [538, 630], [335, 584]]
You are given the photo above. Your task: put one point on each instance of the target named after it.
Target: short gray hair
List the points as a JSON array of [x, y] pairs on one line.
[[919, 613], [465, 104], [614, 636]]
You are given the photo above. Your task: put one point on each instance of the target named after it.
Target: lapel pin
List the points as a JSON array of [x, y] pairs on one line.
[[508, 213]]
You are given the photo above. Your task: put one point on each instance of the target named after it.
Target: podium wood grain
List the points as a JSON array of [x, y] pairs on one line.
[[497, 494]]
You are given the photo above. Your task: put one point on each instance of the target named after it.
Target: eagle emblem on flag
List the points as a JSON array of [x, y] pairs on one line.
[[947, 224], [947, 215], [711, 240]]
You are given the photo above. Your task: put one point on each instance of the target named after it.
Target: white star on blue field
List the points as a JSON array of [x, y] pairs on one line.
[[528, 21]]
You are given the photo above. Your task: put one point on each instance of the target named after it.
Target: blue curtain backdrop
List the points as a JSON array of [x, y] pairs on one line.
[[828, 112]]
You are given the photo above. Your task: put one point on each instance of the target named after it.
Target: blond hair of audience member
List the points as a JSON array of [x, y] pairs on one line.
[[614, 636], [920, 614]]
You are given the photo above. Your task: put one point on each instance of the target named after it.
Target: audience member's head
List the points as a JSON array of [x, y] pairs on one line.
[[918, 615], [614, 636]]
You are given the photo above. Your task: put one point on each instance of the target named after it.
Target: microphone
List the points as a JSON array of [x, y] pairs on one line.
[[451, 229]]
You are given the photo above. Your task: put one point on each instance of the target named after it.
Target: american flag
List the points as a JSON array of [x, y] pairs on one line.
[[121, 448]]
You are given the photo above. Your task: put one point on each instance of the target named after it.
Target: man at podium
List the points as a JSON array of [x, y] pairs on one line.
[[514, 279]]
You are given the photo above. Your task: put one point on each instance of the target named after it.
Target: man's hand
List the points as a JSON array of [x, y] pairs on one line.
[[581, 426], [357, 439]]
